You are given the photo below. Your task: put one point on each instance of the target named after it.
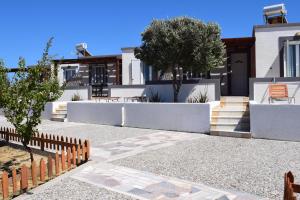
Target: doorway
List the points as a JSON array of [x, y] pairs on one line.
[[239, 74], [98, 80]]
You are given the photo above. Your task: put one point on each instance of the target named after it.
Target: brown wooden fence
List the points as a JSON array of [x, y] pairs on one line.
[[289, 187], [69, 154], [44, 141]]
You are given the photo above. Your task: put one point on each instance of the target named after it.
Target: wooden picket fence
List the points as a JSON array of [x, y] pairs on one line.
[[72, 153], [289, 187], [43, 141]]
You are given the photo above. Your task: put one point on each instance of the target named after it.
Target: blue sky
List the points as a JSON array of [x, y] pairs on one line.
[[106, 26]]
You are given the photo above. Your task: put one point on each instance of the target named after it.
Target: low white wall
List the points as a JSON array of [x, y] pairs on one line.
[[127, 91], [95, 113], [49, 108], [166, 91], [69, 93], [279, 122], [168, 116], [186, 91], [261, 93]]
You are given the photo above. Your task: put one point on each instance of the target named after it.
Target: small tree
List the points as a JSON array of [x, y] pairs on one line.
[[23, 97], [181, 44]]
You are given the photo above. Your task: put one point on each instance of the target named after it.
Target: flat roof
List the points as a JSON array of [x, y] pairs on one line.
[[128, 48], [89, 58], [276, 25]]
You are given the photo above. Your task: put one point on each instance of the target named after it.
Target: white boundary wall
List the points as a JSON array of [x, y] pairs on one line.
[[69, 93], [166, 91], [279, 122], [261, 91], [95, 113], [186, 91], [168, 116], [49, 108], [127, 91]]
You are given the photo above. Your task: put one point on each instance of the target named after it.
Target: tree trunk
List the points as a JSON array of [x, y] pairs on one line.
[[176, 82], [29, 151]]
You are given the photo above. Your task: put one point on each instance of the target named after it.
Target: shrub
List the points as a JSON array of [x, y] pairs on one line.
[[76, 97], [198, 98]]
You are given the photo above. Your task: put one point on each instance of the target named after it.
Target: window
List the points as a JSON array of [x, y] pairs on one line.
[[292, 58], [69, 74]]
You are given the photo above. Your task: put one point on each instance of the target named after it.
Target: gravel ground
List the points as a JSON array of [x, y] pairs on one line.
[[250, 165], [70, 188], [97, 134]]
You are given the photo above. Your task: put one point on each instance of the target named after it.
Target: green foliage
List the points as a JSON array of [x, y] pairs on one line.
[[76, 97], [199, 98], [181, 43], [23, 97]]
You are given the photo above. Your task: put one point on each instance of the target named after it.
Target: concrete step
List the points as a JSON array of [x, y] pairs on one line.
[[233, 104], [231, 108], [59, 115], [58, 119], [60, 111], [230, 119], [235, 113], [234, 99], [237, 134], [230, 127]]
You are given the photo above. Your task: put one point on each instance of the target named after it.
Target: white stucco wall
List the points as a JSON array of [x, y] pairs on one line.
[[95, 113], [267, 49], [261, 92], [127, 57], [176, 117], [166, 91], [279, 122], [49, 108], [186, 91], [69, 93], [127, 92]]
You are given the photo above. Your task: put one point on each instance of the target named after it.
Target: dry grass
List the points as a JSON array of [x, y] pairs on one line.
[[15, 156]]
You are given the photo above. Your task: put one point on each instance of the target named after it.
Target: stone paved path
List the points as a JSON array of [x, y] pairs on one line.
[[141, 184], [131, 146], [145, 185]]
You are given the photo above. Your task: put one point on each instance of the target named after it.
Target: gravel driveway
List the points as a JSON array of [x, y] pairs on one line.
[[250, 165], [97, 134]]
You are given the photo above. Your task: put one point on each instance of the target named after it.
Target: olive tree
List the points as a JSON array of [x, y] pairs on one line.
[[181, 44], [24, 96]]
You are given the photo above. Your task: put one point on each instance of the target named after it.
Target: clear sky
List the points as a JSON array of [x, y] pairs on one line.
[[107, 26]]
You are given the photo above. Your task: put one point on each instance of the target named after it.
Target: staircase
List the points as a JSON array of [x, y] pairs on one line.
[[60, 114], [231, 118]]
